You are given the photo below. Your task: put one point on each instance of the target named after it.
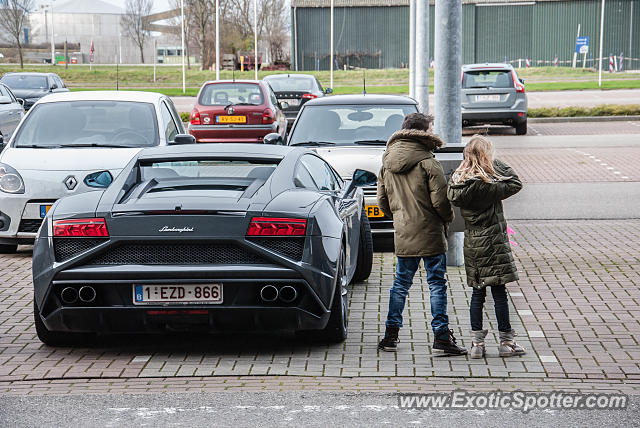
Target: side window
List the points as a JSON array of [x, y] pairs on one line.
[[169, 126], [175, 115], [4, 92], [302, 178], [13, 98], [274, 100], [320, 172], [59, 81], [319, 85]]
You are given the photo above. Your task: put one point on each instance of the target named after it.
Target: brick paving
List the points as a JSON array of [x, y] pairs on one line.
[[573, 165], [562, 128], [576, 307]]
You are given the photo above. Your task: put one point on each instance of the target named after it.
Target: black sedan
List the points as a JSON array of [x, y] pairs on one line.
[[295, 90], [32, 86], [220, 237]]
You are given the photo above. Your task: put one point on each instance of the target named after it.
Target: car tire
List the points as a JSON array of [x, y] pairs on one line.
[[521, 128], [54, 338], [8, 248], [336, 329], [365, 250]]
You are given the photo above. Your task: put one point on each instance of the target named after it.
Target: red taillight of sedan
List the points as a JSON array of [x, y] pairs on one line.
[[84, 227], [309, 96], [195, 117], [266, 226], [268, 117]]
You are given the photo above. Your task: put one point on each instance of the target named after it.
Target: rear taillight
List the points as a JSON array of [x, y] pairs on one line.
[[82, 227], [516, 83], [265, 226], [268, 117], [195, 117], [309, 96]]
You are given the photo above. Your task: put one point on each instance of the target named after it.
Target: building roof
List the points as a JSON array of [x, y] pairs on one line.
[[369, 3], [87, 7]]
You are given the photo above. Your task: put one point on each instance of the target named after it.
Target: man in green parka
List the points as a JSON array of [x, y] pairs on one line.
[[412, 189]]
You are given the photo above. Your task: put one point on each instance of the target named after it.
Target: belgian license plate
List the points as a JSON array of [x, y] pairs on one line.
[[44, 209], [188, 293], [231, 119], [490, 98], [373, 211], [292, 102]]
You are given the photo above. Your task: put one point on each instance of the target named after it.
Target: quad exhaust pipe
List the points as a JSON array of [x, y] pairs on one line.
[[87, 294], [269, 293], [69, 295], [286, 294]]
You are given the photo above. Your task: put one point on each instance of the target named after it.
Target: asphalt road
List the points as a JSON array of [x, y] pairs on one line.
[[279, 409], [536, 99]]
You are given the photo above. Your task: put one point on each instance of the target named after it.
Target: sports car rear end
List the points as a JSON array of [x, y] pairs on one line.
[[198, 250]]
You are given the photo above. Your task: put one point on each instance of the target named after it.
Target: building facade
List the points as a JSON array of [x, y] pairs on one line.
[[375, 33]]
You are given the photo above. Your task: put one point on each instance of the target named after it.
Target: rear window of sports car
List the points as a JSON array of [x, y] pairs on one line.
[[208, 168]]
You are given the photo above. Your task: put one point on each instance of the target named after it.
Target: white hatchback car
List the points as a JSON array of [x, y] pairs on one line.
[[76, 142]]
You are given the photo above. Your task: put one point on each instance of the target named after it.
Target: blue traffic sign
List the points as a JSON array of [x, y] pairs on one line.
[[582, 44]]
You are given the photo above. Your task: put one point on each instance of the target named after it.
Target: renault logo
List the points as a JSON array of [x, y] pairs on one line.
[[70, 182]]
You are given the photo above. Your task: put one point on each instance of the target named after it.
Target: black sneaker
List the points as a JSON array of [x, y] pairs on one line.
[[447, 342], [390, 341]]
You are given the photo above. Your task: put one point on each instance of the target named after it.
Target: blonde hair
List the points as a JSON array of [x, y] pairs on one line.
[[477, 162]]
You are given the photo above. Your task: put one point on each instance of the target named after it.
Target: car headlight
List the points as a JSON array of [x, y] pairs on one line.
[[10, 180]]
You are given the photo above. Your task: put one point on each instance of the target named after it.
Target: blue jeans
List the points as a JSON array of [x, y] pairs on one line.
[[406, 268]]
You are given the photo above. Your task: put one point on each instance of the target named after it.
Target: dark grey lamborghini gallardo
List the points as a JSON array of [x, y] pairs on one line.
[[212, 237]]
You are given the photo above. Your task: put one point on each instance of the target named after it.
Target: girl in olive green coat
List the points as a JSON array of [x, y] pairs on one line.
[[478, 187]]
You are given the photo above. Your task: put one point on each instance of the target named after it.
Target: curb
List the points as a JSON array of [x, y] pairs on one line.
[[582, 119]]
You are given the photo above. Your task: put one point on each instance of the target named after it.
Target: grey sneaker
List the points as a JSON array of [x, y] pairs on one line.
[[508, 347], [477, 343]]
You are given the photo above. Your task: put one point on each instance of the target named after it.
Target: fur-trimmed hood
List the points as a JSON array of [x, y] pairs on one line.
[[407, 147]]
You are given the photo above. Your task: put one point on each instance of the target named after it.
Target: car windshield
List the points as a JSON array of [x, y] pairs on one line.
[[22, 81], [280, 84], [207, 168], [487, 79], [223, 94], [89, 124], [349, 124]]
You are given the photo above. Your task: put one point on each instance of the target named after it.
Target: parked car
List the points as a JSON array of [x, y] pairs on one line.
[[33, 86], [208, 237], [351, 132], [493, 94], [236, 112], [72, 143], [295, 90], [11, 113]]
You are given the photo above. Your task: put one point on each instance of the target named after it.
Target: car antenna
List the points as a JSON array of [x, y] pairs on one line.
[[364, 82]]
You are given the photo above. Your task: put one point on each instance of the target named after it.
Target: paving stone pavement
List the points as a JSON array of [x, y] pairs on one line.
[[576, 307]]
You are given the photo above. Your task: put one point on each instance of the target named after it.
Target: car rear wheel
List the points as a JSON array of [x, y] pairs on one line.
[[521, 128], [365, 250], [8, 248], [336, 329], [54, 338]]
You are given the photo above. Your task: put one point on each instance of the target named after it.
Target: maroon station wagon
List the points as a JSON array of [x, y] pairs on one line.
[[236, 112]]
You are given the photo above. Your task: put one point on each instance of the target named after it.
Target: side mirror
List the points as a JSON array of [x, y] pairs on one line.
[[1, 142], [5, 100], [284, 105], [273, 138], [21, 101], [181, 139], [54, 86], [521, 81], [328, 91], [361, 178]]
